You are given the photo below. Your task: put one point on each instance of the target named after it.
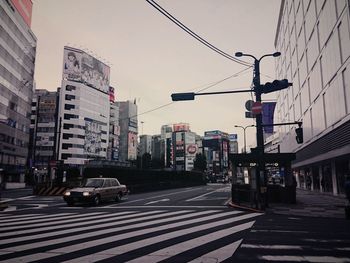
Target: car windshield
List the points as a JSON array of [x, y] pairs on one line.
[[94, 183]]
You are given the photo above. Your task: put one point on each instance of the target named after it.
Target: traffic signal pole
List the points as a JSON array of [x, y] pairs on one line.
[[260, 168]]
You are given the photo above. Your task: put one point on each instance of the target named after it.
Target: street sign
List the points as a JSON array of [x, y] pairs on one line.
[[257, 107], [249, 114], [249, 105]]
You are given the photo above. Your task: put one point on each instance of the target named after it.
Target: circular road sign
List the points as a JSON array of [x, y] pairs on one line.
[[249, 105], [257, 107]]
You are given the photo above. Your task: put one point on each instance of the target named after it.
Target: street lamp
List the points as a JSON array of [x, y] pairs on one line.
[[258, 89], [244, 128]]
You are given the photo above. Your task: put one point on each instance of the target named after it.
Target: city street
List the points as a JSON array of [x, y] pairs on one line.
[[180, 225]]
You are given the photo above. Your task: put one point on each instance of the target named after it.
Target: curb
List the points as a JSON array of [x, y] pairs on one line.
[[231, 204]]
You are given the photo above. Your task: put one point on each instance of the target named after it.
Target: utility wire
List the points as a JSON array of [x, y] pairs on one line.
[[207, 87], [193, 34]]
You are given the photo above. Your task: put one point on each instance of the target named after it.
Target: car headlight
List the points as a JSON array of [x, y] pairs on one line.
[[67, 193], [86, 193]]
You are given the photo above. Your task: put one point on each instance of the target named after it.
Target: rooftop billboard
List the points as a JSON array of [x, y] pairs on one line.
[[81, 67]]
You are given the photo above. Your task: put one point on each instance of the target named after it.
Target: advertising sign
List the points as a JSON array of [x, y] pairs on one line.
[[191, 149], [232, 137], [132, 146], [93, 142], [80, 66], [267, 115], [111, 94], [94, 73], [181, 127], [72, 64], [24, 8]]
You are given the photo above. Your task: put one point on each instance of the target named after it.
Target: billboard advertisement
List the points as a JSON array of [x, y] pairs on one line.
[[72, 64], [93, 141], [80, 66], [94, 73], [181, 127], [268, 109], [111, 95], [132, 146], [24, 8]]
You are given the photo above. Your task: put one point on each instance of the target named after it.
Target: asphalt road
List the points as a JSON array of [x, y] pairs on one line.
[[180, 225]]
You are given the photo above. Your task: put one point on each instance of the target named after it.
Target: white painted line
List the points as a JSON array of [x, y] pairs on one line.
[[157, 201], [197, 198], [319, 259], [44, 220], [161, 238], [220, 254], [28, 218], [193, 243], [159, 196], [53, 229], [86, 235], [158, 206], [277, 247]]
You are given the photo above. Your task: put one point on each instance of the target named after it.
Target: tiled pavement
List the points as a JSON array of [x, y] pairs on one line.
[[312, 204]]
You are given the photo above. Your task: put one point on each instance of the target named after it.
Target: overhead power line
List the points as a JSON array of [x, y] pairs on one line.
[[196, 36], [207, 86]]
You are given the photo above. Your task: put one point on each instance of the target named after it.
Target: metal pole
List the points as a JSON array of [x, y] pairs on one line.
[[245, 142], [260, 170]]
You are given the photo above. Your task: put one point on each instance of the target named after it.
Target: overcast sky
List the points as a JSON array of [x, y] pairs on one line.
[[151, 57]]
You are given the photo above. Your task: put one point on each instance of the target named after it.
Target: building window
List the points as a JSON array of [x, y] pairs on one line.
[[69, 97], [69, 106], [70, 87]]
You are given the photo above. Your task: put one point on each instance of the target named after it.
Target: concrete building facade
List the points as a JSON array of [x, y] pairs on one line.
[[128, 130], [313, 37], [42, 148], [17, 63], [84, 109]]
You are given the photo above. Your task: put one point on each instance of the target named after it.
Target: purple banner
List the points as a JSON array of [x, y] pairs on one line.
[[268, 109]]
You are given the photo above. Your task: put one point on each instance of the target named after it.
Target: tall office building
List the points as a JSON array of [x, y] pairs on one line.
[[128, 130], [313, 37], [17, 62], [43, 128], [145, 145], [167, 149], [114, 128], [84, 108]]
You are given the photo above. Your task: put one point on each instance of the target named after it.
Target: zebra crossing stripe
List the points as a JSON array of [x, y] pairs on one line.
[[116, 237], [7, 217], [89, 234], [95, 219], [47, 220], [193, 243], [220, 254], [13, 220], [144, 242]]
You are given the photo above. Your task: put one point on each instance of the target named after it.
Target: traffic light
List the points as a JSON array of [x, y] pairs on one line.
[[275, 86], [299, 133], [182, 96]]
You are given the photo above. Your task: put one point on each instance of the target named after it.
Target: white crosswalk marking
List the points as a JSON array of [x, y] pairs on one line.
[[106, 235], [220, 254]]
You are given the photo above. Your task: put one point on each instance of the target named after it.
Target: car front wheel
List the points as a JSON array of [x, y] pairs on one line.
[[118, 198], [97, 200]]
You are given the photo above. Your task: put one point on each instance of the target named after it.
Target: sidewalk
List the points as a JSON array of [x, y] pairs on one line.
[[312, 204]]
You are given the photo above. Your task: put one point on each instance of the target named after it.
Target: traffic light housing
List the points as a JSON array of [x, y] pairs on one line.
[[182, 96], [299, 137], [275, 86]]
